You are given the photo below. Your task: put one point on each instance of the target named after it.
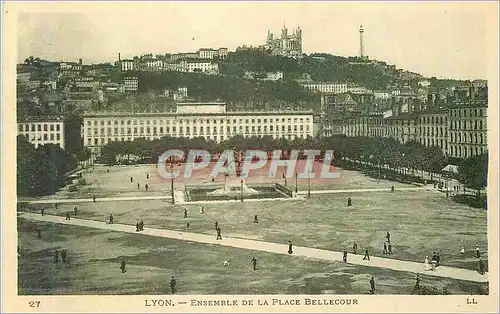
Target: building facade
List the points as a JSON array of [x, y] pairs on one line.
[[208, 120], [288, 45], [433, 129], [41, 131], [468, 131], [325, 87], [131, 84]]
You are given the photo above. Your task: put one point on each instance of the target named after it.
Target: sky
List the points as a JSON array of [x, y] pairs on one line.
[[435, 39]]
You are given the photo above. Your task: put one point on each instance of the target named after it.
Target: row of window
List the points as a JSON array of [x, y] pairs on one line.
[[461, 125], [194, 121], [464, 112], [462, 138], [44, 137], [433, 120], [201, 129], [459, 151], [38, 127]]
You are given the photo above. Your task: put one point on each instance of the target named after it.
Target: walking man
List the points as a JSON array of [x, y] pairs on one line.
[[55, 204], [385, 248], [138, 186], [438, 258], [123, 267], [367, 256], [219, 236], [255, 219], [64, 255], [216, 225], [56, 256], [187, 225], [254, 263], [147, 175], [173, 283], [43, 211], [111, 218], [290, 247], [75, 209], [147, 187], [131, 179], [481, 266], [349, 202], [372, 285], [93, 198], [67, 216], [478, 253], [354, 248], [344, 258], [417, 283], [137, 228], [185, 213], [389, 246], [388, 236], [392, 189], [38, 233], [141, 225]]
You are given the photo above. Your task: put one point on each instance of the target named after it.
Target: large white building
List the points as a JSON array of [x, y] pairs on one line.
[[131, 84], [468, 131], [326, 87], [41, 131], [208, 120]]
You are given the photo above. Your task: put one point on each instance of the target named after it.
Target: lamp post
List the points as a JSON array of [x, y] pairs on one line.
[[284, 177], [309, 183], [379, 169], [241, 190], [296, 185], [172, 183]]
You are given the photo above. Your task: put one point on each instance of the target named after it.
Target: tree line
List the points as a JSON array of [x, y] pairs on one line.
[[43, 170]]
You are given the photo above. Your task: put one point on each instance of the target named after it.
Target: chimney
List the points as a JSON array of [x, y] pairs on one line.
[[119, 57]]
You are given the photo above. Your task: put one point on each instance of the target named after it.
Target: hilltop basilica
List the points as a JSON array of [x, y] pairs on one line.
[[288, 45]]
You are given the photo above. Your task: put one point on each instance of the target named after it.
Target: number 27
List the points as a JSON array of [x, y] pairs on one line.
[[34, 303]]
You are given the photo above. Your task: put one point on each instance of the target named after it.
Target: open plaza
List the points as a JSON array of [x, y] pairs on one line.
[[180, 239]]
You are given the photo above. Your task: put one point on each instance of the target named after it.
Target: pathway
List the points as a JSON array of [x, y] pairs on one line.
[[398, 265], [179, 196]]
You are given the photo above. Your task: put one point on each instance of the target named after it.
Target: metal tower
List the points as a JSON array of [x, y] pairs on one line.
[[361, 44]]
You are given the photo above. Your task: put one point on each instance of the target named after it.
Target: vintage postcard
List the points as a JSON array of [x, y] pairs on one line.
[[250, 157]]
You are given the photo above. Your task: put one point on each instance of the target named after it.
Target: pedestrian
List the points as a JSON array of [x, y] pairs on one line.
[[67, 216], [56, 256], [141, 225], [147, 187], [367, 256], [417, 283], [147, 175], [55, 204], [202, 210], [64, 255], [137, 227], [107, 170], [111, 218], [354, 248], [216, 225], [344, 258], [93, 198], [385, 248], [255, 219], [481, 266], [138, 186], [219, 236], [131, 179], [43, 211], [254, 263], [75, 209], [433, 258], [290, 247], [388, 237], [462, 251], [478, 253], [372, 285], [185, 213], [349, 201], [38, 233], [173, 283], [438, 259], [187, 225], [392, 189], [123, 267], [389, 247]]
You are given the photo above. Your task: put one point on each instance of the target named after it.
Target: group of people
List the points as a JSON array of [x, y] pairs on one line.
[[139, 226], [434, 262], [64, 256], [146, 186]]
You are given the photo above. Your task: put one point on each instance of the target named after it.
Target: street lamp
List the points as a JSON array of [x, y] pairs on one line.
[[172, 183], [296, 185], [241, 190], [284, 177], [309, 183]]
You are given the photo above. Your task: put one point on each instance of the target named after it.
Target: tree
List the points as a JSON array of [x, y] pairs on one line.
[[473, 172]]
